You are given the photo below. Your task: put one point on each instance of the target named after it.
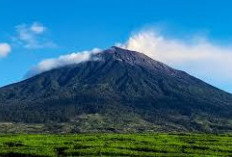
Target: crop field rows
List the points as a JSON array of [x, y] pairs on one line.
[[146, 145]]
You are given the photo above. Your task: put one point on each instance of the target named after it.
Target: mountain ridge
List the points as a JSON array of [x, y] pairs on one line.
[[123, 91]]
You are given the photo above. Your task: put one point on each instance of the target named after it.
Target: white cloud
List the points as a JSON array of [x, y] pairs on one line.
[[5, 49], [33, 36], [199, 57], [73, 58], [37, 28]]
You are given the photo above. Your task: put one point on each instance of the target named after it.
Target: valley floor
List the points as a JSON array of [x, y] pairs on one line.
[[155, 144]]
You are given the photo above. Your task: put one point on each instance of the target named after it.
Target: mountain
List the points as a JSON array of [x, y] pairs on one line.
[[117, 91]]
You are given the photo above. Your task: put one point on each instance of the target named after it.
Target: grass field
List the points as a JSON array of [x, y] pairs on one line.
[[159, 144]]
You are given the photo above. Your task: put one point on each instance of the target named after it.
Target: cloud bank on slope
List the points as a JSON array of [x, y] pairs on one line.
[[73, 58], [201, 58], [208, 61], [5, 49]]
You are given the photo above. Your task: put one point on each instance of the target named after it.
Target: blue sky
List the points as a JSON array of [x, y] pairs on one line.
[[62, 27]]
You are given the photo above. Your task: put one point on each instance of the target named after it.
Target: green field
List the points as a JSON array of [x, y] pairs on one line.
[[159, 144]]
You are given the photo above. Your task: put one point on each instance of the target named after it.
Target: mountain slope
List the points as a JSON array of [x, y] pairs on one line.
[[119, 90]]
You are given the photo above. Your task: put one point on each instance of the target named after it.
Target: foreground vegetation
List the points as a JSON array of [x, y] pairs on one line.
[[116, 145]]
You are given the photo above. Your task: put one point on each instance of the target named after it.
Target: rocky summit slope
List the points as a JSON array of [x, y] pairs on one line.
[[118, 91]]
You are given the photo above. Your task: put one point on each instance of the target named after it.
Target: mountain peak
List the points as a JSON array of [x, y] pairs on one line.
[[133, 58], [124, 55]]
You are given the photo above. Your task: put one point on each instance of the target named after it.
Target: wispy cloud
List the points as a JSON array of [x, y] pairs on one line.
[[33, 36], [53, 63], [198, 56], [37, 28], [5, 49]]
